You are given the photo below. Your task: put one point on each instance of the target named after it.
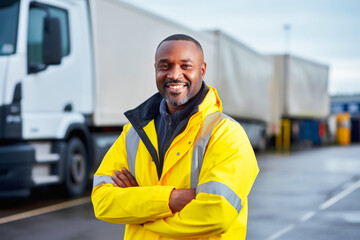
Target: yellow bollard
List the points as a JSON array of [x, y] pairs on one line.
[[287, 133], [283, 138], [343, 131]]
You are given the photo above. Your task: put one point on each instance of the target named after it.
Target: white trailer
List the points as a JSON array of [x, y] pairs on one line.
[[302, 99], [302, 87], [244, 80]]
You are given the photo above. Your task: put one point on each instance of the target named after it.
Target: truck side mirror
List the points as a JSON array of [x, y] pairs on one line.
[[52, 53]]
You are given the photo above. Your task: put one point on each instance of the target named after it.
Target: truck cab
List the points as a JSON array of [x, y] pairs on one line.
[[45, 95]]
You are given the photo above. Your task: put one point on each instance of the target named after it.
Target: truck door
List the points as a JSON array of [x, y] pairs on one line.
[[53, 93]]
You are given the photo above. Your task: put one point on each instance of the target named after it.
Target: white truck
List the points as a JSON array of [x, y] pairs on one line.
[[69, 69]]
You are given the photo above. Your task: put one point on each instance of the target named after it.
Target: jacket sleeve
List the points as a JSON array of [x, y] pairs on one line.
[[228, 172], [133, 205]]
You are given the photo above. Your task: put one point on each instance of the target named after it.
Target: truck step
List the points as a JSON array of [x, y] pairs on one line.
[[53, 157], [43, 153], [39, 180], [41, 174]]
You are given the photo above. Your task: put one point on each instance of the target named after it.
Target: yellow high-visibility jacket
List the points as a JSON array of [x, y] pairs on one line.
[[213, 155]]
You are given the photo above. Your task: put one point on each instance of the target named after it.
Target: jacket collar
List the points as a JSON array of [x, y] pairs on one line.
[[145, 112]]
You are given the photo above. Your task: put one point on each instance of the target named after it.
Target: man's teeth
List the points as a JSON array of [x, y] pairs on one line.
[[177, 86]]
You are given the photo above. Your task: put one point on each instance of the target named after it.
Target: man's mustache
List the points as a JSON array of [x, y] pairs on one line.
[[187, 83]]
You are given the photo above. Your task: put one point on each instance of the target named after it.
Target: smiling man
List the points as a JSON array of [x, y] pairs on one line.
[[181, 168]]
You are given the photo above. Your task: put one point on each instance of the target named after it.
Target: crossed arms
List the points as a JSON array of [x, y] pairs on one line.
[[178, 199]]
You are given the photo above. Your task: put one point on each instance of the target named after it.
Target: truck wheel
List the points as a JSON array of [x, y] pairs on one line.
[[76, 168]]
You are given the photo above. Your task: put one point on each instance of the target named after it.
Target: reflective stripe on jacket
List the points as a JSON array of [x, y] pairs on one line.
[[212, 154]]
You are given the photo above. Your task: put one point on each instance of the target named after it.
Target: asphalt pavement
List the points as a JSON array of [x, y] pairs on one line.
[[308, 194]]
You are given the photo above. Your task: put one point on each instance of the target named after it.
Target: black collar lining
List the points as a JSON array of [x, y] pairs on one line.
[[140, 117]]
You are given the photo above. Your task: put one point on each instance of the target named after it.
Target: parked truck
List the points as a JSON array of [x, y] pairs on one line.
[[302, 100], [68, 71]]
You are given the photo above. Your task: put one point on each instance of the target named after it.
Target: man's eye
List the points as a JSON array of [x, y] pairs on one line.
[[185, 66], [163, 66]]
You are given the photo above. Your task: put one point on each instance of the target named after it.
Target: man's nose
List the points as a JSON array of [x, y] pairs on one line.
[[175, 73]]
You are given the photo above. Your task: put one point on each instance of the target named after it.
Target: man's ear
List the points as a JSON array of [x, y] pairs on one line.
[[203, 70]]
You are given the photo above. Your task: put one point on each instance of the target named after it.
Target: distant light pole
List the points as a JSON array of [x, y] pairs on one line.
[[287, 28]]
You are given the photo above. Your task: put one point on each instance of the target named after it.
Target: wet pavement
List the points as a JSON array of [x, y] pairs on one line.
[[309, 194]]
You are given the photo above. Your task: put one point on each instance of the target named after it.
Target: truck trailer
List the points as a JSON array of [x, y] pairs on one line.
[[244, 80], [302, 100]]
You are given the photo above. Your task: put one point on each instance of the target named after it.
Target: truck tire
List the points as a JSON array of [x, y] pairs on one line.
[[76, 168]]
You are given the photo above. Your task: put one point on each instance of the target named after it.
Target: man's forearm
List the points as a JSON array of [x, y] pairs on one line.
[[178, 199], [203, 217], [130, 204]]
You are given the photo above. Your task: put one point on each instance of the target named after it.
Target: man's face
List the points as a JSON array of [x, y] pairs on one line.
[[180, 70]]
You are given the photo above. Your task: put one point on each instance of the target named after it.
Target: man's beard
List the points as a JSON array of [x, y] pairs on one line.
[[179, 102], [174, 102]]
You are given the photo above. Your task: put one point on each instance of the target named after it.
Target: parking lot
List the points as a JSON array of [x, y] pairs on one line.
[[308, 194]]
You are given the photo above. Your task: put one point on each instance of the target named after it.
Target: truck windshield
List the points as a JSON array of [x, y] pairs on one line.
[[9, 14]]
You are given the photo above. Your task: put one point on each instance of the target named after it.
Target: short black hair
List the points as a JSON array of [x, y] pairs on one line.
[[183, 37]]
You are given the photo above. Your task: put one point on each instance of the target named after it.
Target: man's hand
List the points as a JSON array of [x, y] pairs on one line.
[[179, 198], [124, 179]]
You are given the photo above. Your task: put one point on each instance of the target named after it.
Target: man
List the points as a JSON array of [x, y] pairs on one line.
[[181, 168]]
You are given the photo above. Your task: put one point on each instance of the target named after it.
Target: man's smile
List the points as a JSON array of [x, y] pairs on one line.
[[176, 87]]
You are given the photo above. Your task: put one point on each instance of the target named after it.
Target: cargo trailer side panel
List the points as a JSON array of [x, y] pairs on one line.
[[125, 39], [245, 81], [305, 86]]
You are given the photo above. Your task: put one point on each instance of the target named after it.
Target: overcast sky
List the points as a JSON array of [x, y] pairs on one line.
[[326, 31]]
